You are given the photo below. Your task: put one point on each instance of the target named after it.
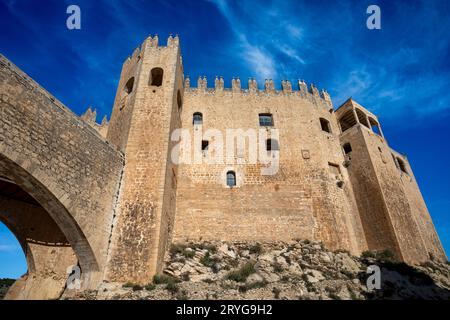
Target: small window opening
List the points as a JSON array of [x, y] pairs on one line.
[[362, 118], [272, 145], [266, 120], [375, 126], [156, 77], [325, 124], [347, 148], [402, 165], [197, 118], [179, 101], [129, 86], [231, 179], [205, 145]]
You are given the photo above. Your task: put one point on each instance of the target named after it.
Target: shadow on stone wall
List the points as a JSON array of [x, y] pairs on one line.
[[400, 281]]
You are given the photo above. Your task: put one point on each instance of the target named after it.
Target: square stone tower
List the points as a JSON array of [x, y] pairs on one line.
[[146, 110]]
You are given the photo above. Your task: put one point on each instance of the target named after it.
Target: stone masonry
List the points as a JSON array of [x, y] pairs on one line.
[[112, 197]]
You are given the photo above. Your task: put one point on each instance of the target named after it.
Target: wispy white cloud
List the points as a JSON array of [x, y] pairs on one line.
[[262, 40]]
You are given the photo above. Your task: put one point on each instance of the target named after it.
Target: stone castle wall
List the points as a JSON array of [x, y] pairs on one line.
[[121, 200], [302, 200], [61, 162]]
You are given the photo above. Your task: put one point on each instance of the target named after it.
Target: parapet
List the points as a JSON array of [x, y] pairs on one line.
[[252, 88], [90, 117], [152, 42]]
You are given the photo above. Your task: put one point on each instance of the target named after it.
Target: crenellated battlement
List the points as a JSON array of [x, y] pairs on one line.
[[301, 88], [151, 42]]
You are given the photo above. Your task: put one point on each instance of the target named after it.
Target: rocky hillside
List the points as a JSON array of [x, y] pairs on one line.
[[295, 270]]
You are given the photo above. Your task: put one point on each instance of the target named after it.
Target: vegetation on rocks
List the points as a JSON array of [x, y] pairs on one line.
[[277, 270]]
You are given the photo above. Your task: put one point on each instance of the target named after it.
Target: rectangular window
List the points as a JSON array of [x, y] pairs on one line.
[[265, 120], [205, 145]]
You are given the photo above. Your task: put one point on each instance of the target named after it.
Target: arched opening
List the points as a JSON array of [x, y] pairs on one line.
[[48, 252], [13, 261], [231, 179], [49, 236], [156, 77], [347, 120], [197, 118], [325, 125], [362, 118], [402, 165], [375, 126]]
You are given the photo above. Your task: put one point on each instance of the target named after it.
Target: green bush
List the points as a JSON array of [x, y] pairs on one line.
[[256, 249], [183, 250], [368, 254], [242, 274], [207, 261], [206, 246], [137, 287], [150, 287], [172, 287], [164, 279], [128, 285], [385, 255]]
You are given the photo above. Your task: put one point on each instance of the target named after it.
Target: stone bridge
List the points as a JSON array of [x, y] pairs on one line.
[[59, 181]]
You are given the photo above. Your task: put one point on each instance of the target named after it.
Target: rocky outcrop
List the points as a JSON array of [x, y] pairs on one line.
[[294, 270]]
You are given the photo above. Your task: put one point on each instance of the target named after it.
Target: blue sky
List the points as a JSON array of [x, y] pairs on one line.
[[401, 72]]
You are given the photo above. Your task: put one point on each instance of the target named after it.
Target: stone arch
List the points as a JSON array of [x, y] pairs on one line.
[[375, 126], [51, 203]]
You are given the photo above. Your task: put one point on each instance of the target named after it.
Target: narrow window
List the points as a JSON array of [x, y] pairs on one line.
[[197, 118], [231, 179], [325, 124], [129, 86], [347, 148], [272, 145], [265, 120], [156, 77], [402, 165], [179, 101], [205, 145]]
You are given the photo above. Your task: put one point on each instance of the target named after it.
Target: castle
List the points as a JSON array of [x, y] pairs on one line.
[[112, 197]]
